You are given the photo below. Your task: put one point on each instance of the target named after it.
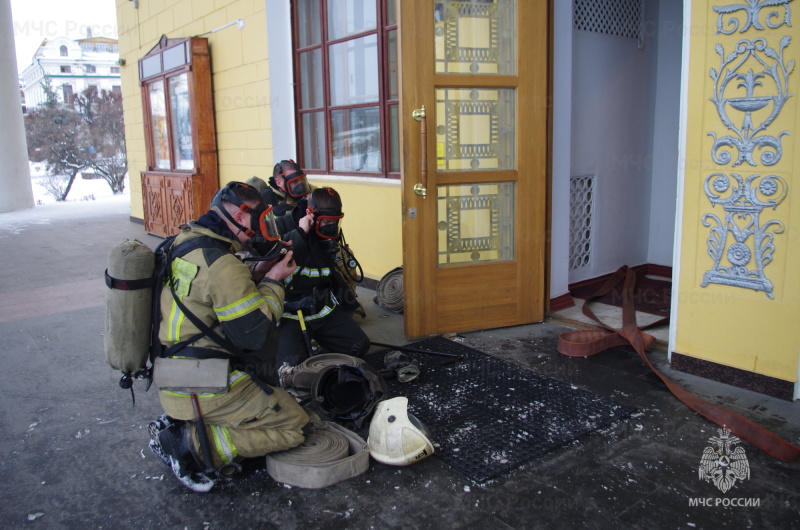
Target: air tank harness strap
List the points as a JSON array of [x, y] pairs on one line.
[[128, 285]]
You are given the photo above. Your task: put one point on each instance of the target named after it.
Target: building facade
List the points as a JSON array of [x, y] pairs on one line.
[[72, 66], [649, 131]]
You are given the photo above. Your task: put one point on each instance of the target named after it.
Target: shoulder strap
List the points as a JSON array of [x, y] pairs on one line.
[[170, 251], [184, 248], [181, 250], [205, 330]]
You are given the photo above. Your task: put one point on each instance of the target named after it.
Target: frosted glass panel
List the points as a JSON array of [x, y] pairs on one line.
[[475, 129], [475, 37], [475, 223], [158, 117]]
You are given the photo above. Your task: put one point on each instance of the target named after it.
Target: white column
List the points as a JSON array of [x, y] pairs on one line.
[[16, 192], [562, 131]]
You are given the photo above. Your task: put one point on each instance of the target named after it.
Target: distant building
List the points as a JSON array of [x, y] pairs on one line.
[[22, 95], [73, 66]]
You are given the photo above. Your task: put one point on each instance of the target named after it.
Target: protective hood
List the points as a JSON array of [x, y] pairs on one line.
[[263, 241], [294, 181], [327, 221]]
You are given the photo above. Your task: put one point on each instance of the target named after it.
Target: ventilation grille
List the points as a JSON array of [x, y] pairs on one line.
[[581, 206], [612, 17]]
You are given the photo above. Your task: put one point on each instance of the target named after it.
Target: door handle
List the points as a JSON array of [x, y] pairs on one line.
[[421, 188]]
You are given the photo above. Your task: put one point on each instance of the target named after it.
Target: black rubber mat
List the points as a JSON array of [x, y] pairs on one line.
[[488, 416]]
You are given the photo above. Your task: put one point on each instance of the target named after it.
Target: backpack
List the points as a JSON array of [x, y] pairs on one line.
[[135, 278]]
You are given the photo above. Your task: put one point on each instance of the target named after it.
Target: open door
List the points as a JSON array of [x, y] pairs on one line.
[[473, 105]]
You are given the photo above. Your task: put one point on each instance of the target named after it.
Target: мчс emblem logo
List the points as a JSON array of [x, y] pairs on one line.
[[723, 465]]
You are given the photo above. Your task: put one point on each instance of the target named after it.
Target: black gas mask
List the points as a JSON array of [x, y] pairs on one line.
[[264, 241], [295, 183], [327, 221]]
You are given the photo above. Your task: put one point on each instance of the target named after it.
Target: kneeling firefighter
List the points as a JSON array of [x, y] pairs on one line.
[[313, 308], [215, 307]]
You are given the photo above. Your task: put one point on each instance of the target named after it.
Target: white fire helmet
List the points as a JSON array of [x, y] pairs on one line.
[[396, 437]]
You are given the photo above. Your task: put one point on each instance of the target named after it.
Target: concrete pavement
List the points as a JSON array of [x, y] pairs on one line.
[[74, 451]]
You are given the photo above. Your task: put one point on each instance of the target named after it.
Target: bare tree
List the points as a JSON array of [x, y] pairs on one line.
[[102, 112], [59, 137], [87, 133]]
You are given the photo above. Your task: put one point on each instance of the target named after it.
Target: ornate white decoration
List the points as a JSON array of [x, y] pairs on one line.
[[752, 9], [752, 240], [748, 135]]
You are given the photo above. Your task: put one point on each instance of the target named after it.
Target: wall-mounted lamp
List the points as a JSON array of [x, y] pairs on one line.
[[121, 61]]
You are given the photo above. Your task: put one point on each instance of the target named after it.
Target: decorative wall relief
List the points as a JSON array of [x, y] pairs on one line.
[[742, 233], [751, 88], [752, 10], [732, 74]]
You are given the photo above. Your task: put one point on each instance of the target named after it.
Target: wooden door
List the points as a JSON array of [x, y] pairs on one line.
[[474, 249]]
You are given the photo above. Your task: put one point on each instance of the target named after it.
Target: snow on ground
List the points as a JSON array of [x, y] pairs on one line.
[[87, 198]]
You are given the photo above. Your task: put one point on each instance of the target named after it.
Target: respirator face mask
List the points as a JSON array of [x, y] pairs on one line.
[[327, 221], [296, 184], [263, 239]]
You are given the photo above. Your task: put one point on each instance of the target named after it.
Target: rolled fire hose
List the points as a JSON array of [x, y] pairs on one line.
[[389, 291], [327, 456], [302, 376]]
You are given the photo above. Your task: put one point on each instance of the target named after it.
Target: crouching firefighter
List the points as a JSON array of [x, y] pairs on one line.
[[314, 308], [216, 308]]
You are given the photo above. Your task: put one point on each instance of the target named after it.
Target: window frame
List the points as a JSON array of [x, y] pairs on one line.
[[384, 103], [164, 74], [68, 93]]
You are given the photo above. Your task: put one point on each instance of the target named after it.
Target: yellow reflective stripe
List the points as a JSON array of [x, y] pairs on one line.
[[240, 307], [223, 444], [235, 378], [324, 312], [309, 273], [176, 318], [273, 302], [314, 273]]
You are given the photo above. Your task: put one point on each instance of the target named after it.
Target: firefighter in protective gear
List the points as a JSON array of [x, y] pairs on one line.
[[286, 192], [242, 306], [308, 288], [396, 437]]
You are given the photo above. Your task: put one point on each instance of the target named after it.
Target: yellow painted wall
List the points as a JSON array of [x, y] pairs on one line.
[[371, 222], [730, 325], [240, 69], [240, 79]]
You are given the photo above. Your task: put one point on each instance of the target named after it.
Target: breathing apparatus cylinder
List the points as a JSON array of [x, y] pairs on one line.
[[129, 305]]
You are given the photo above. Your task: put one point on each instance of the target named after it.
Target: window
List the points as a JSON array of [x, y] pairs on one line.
[[345, 64], [90, 69], [66, 91], [66, 70], [165, 80], [63, 51], [115, 69]]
